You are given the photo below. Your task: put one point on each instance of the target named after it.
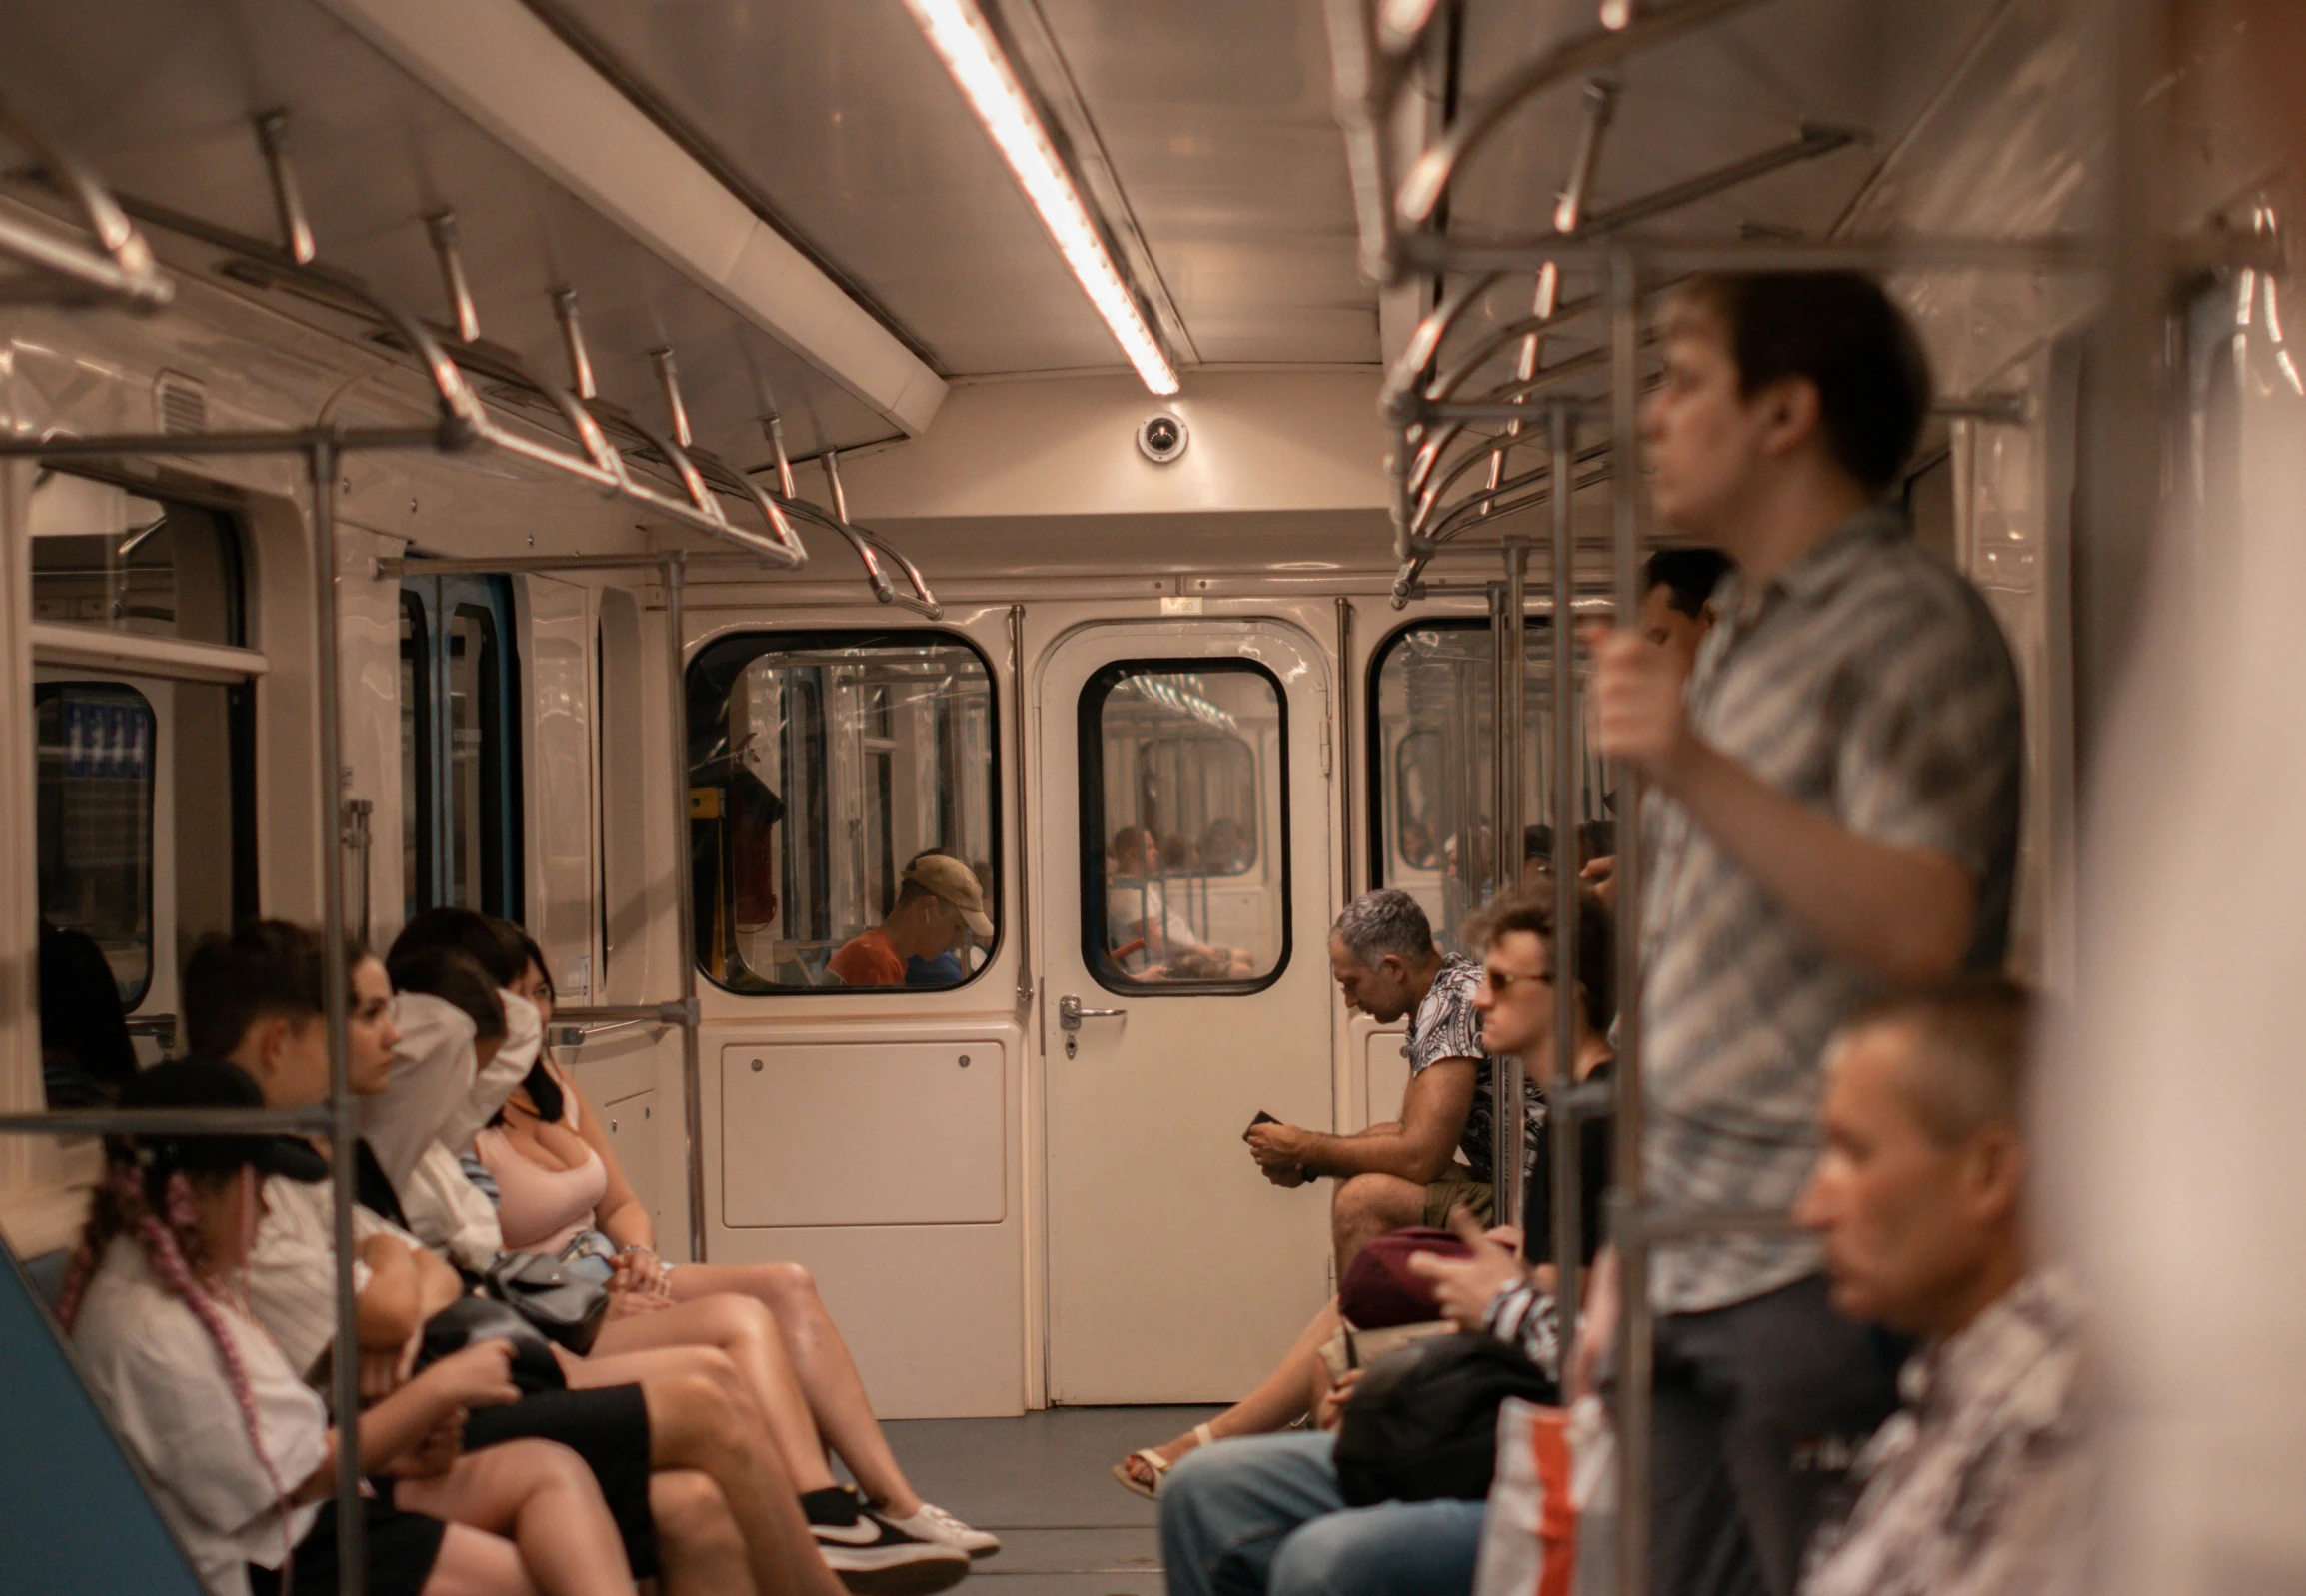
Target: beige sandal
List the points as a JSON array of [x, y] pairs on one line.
[[1158, 1464]]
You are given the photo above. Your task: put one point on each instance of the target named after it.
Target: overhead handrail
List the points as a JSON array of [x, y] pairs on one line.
[[702, 509], [773, 425], [1500, 495], [782, 544], [120, 267], [1810, 141], [868, 546], [463, 420], [1430, 175], [599, 465], [923, 599]]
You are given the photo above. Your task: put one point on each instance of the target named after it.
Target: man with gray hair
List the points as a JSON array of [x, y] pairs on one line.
[[1404, 1171], [1983, 1484]]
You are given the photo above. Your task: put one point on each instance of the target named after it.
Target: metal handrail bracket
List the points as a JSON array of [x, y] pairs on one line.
[[120, 267]]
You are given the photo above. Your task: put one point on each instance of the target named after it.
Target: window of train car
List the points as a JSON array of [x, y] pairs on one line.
[[460, 745], [416, 754], [1185, 816], [96, 744], [105, 556], [1432, 690], [145, 828], [823, 767]]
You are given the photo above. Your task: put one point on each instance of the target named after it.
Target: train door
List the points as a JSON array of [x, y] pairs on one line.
[[1185, 990], [460, 748]]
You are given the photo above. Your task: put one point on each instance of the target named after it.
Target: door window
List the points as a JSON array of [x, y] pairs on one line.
[[416, 754], [103, 556], [1185, 829], [824, 771], [460, 745], [96, 742], [1434, 788]]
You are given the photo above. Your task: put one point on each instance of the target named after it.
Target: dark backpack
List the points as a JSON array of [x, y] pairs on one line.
[[1422, 1424]]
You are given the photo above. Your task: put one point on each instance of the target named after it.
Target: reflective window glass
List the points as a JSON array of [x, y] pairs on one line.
[[415, 754], [460, 745], [103, 556], [1184, 785], [1434, 786], [475, 810], [843, 811], [96, 752]]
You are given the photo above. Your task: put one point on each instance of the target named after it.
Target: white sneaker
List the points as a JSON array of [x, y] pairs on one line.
[[874, 1557], [933, 1523]]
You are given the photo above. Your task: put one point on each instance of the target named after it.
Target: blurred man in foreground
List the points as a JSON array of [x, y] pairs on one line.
[[1980, 1485]]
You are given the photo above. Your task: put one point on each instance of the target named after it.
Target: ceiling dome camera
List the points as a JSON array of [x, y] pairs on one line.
[[1163, 438]]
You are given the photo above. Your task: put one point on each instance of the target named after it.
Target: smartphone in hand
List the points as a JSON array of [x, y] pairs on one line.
[[1304, 1176]]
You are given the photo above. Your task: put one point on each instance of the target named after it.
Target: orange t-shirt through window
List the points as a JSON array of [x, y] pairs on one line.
[[869, 959]]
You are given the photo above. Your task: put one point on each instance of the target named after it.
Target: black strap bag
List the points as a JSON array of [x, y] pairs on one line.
[[1422, 1424], [470, 1319], [565, 1305]]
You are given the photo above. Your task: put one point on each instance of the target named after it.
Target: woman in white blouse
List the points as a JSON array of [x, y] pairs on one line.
[[240, 1450]]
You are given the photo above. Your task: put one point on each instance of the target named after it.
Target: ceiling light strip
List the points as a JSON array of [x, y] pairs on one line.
[[956, 31]]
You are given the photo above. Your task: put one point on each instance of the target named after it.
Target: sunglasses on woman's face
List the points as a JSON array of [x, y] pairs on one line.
[[1502, 983]]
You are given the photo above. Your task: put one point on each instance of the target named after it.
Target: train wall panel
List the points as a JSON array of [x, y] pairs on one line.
[[872, 1130], [863, 1133]]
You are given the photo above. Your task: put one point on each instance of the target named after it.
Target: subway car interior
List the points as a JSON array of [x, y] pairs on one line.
[[925, 550]]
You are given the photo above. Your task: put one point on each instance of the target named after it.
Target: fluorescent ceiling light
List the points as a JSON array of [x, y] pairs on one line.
[[958, 33]]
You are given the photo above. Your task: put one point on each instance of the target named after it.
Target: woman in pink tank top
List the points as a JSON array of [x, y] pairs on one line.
[[560, 1190]]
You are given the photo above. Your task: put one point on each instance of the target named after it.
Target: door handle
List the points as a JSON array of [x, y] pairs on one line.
[[1070, 1013]]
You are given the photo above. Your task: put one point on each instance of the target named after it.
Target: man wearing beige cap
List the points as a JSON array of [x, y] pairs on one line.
[[938, 906]]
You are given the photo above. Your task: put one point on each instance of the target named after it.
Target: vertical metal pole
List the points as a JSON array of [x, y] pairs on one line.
[[336, 980], [1633, 1329], [1504, 852], [1567, 1184], [685, 898], [1022, 912], [1509, 1159], [1345, 751]]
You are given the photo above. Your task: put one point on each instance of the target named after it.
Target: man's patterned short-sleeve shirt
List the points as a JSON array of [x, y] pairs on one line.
[[1870, 681], [1447, 1026]]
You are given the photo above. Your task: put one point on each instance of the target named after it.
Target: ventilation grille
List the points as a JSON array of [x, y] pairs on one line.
[[182, 403]]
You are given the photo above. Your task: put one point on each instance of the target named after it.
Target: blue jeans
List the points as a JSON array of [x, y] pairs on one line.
[[1264, 1514]]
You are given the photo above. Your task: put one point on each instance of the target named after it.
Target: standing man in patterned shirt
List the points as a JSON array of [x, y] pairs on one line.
[[1983, 1482], [1405, 1172], [1835, 816]]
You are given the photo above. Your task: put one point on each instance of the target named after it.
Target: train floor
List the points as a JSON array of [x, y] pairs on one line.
[[1043, 1483]]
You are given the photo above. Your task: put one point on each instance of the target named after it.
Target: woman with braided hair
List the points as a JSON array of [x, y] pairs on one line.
[[240, 1450]]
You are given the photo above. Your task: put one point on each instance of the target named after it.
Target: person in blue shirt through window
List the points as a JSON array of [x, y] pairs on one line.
[[955, 965]]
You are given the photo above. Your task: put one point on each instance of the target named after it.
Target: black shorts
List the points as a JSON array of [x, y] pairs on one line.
[[402, 1548], [608, 1430]]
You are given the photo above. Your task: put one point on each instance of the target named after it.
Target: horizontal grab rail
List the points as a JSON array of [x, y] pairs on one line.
[[870, 547], [120, 267], [314, 1121]]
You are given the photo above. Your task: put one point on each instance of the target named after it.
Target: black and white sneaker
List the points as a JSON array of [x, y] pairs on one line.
[[872, 1556]]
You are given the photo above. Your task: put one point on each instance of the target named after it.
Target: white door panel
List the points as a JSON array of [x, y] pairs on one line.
[[1384, 1077], [631, 1126], [863, 1133], [1176, 1272], [556, 658]]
